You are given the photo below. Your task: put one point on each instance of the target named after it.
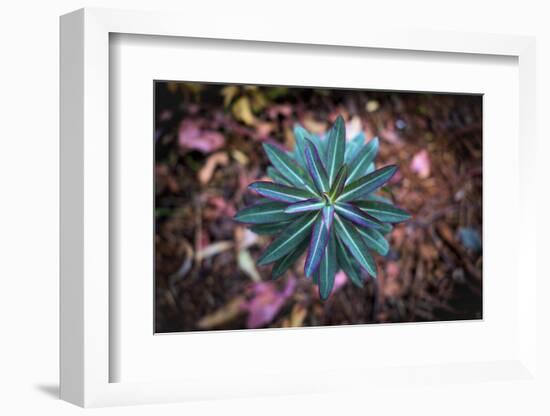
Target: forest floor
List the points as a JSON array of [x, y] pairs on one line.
[[208, 147]]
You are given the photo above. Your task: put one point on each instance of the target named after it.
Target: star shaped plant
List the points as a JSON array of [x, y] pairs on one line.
[[322, 200]]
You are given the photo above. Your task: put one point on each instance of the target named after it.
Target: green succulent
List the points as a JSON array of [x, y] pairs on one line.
[[322, 200]]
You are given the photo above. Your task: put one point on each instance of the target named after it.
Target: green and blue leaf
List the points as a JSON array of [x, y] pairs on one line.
[[276, 176], [271, 228], [367, 184], [358, 167], [355, 215], [313, 204], [355, 244], [317, 245], [287, 167], [375, 240], [336, 148], [316, 168], [263, 213], [289, 239], [278, 192], [328, 215], [383, 211], [353, 147], [327, 269], [338, 185], [284, 263], [344, 260]]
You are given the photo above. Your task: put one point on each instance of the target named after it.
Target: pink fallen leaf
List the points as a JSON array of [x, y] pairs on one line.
[[192, 137], [421, 164], [266, 302]]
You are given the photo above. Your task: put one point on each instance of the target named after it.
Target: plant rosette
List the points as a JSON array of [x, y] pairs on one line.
[[322, 200]]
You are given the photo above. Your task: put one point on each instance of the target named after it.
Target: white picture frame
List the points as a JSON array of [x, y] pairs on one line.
[[86, 355]]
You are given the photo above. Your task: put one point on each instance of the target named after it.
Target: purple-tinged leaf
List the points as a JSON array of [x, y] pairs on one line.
[[284, 263], [350, 268], [316, 168], [367, 184], [289, 239], [287, 167], [318, 242], [338, 185], [327, 269], [328, 215], [355, 244], [355, 215], [279, 192], [313, 204]]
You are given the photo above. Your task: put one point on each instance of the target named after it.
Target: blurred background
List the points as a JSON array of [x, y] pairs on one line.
[[208, 148]]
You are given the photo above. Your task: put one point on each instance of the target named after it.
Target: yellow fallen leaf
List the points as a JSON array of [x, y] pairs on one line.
[[225, 314], [247, 265], [242, 111]]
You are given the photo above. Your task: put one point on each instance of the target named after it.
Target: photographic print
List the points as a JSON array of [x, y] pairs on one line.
[[282, 206]]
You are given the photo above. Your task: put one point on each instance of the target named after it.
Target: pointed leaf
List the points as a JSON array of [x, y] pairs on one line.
[[383, 211], [375, 240], [378, 198], [318, 242], [272, 228], [289, 239], [276, 176], [355, 215], [328, 215], [287, 167], [283, 264], [313, 204], [316, 168], [355, 244], [327, 269], [339, 182], [336, 148], [279, 192], [300, 143], [263, 213], [349, 268], [363, 160], [367, 184], [353, 147]]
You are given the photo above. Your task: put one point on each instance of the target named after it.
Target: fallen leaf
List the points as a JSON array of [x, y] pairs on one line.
[[229, 93], [420, 164], [213, 249], [242, 111], [296, 318], [191, 136], [225, 314], [240, 157], [212, 162], [247, 265], [266, 302]]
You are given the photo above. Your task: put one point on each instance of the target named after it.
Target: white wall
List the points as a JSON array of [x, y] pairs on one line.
[[29, 186]]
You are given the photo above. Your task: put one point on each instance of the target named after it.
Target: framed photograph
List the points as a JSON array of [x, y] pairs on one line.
[[286, 213]]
